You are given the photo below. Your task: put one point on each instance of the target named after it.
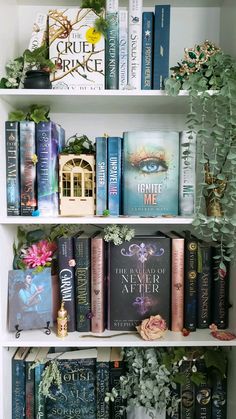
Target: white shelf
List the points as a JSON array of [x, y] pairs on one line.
[[99, 102], [173, 3], [109, 338]]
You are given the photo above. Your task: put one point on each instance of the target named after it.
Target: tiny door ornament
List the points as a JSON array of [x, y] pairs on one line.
[[62, 322], [76, 184]]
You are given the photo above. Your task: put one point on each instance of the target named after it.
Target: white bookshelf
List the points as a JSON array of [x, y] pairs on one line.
[[113, 112]]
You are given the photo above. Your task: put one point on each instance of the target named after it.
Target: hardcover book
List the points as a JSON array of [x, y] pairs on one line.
[[77, 48], [117, 368], [220, 292], [190, 283], [27, 167], [48, 147], [138, 281], [135, 44], [187, 392], [150, 173], [101, 175], [30, 383], [12, 167], [18, 383], [187, 174], [98, 284], [78, 396], [219, 398], [161, 46], [67, 278], [112, 45], [147, 50], [204, 285], [82, 253], [102, 382], [177, 282], [114, 175], [29, 299], [123, 48], [202, 394], [39, 399]]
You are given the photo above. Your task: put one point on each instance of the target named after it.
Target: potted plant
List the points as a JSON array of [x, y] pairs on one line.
[[39, 67], [209, 76]]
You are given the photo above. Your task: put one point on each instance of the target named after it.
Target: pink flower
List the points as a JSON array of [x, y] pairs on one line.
[[39, 254], [152, 328]]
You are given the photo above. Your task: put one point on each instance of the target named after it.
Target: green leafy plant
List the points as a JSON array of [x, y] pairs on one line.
[[209, 76], [51, 377], [14, 69], [36, 113], [78, 145], [118, 234], [38, 59], [101, 24]]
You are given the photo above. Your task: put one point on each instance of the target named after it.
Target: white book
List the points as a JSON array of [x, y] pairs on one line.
[[112, 6], [187, 174], [123, 48], [135, 44]]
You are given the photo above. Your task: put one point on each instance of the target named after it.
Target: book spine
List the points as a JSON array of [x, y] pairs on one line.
[[102, 387], [101, 175], [161, 46], [18, 389], [177, 287], [12, 168], [220, 293], [47, 168], [114, 175], [29, 391], [82, 252], [147, 50], [123, 49], [135, 44], [27, 167], [112, 45], [202, 394], [66, 278], [190, 285], [97, 285], [40, 412], [187, 393], [187, 174], [116, 370], [61, 137], [204, 286], [219, 398]]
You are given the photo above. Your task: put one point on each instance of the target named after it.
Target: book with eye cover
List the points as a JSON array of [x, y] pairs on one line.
[[150, 173]]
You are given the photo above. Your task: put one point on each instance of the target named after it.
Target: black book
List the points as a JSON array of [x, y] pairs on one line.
[[12, 167], [204, 285], [219, 398], [187, 392], [202, 394], [82, 252], [117, 368], [102, 382], [66, 279], [220, 293], [190, 283]]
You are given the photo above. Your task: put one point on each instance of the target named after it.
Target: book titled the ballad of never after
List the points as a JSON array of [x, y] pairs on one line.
[[138, 281], [150, 173], [77, 48]]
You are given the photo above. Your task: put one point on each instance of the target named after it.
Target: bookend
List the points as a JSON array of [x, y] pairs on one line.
[[47, 329], [17, 334]]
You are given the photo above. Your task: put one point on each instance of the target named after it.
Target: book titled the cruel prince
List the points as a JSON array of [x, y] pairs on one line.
[[150, 173], [77, 49]]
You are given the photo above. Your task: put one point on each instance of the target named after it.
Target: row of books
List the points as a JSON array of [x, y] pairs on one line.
[[145, 173], [87, 375], [32, 153]]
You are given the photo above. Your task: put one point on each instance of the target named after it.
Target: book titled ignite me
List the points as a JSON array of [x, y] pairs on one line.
[[150, 173]]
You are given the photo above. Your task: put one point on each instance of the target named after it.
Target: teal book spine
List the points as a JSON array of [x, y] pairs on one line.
[[114, 175], [150, 173], [147, 50], [40, 412], [12, 168], [112, 46], [18, 389], [161, 46], [102, 387], [101, 175]]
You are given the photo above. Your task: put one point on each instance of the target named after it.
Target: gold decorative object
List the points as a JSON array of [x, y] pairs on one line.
[[62, 322], [213, 204]]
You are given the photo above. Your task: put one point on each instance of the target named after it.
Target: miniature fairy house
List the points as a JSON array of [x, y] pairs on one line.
[[76, 184]]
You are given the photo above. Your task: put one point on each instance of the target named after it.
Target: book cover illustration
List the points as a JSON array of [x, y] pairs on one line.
[[138, 281], [77, 48], [150, 173], [29, 298], [12, 168]]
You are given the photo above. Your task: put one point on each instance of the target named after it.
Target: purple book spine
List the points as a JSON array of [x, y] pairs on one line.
[[27, 167]]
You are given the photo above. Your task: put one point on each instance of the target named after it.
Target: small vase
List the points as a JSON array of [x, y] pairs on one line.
[[143, 413], [37, 79]]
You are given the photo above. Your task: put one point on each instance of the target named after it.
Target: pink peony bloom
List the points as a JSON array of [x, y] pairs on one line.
[[39, 254]]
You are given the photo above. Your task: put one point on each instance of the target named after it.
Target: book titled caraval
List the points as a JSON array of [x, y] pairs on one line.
[[138, 281], [150, 173], [77, 49]]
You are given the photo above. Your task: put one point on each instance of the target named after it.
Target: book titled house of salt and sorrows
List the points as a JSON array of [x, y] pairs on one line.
[[150, 173], [138, 281], [77, 48]]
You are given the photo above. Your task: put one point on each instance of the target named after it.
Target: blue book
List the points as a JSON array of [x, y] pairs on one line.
[[112, 46], [150, 173], [18, 383], [114, 175], [48, 147], [12, 167], [101, 175], [147, 50], [161, 46]]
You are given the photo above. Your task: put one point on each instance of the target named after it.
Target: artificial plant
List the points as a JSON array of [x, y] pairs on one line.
[[98, 6], [209, 76], [36, 113], [78, 145]]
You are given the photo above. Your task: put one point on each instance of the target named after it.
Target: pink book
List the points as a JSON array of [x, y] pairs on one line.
[[97, 284], [177, 283]]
